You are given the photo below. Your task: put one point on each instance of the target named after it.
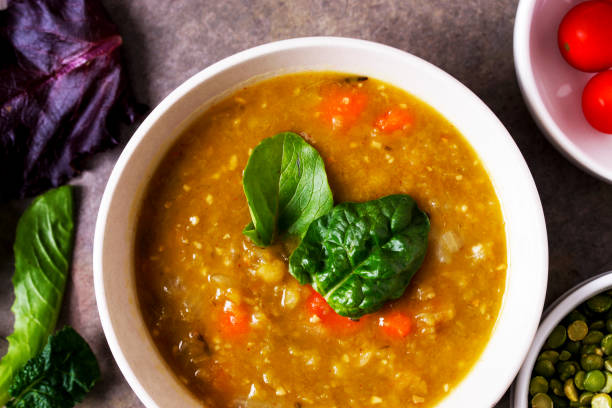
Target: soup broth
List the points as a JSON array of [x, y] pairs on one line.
[[239, 330]]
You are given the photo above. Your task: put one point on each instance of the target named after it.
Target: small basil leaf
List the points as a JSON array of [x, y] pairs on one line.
[[286, 188], [43, 248], [59, 377], [362, 254]]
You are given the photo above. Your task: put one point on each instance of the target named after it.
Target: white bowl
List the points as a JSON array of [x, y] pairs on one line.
[[553, 315], [127, 335], [552, 89]]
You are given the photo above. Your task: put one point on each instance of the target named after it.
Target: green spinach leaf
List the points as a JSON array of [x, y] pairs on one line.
[[362, 254], [59, 377], [43, 248], [286, 188]]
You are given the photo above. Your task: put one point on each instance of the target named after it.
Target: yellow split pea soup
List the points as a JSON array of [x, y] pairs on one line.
[[240, 331]]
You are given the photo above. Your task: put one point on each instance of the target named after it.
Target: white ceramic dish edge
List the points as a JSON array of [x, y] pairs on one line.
[[531, 96], [551, 317], [533, 236]]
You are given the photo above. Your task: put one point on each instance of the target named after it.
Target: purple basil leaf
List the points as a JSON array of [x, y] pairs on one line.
[[63, 91]]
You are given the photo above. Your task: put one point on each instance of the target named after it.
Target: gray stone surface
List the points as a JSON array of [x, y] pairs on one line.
[[166, 41]]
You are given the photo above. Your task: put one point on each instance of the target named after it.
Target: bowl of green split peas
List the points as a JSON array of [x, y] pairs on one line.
[[570, 361]]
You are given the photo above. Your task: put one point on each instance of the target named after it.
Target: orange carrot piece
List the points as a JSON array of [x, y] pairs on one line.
[[394, 119], [233, 320], [318, 306], [396, 324], [342, 106]]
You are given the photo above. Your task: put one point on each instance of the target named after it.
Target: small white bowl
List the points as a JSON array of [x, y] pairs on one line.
[[552, 316], [126, 333], [553, 89]]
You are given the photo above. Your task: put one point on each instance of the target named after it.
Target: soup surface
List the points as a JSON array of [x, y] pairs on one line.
[[240, 331]]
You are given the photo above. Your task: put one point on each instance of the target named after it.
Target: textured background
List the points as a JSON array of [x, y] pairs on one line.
[[166, 41]]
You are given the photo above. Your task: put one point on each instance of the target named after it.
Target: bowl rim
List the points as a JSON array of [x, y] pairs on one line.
[[553, 314], [539, 228], [534, 102]]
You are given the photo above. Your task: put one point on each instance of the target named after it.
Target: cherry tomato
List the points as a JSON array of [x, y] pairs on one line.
[[597, 101], [585, 36]]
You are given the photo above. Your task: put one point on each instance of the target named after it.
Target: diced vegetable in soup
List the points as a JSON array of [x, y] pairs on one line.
[[226, 313]]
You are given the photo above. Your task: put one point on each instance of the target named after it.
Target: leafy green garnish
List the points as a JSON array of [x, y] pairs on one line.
[[43, 248], [286, 188], [362, 254], [57, 378], [357, 255]]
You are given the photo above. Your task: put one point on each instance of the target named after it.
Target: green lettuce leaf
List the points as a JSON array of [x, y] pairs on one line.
[[286, 188], [43, 248], [360, 255], [59, 377]]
